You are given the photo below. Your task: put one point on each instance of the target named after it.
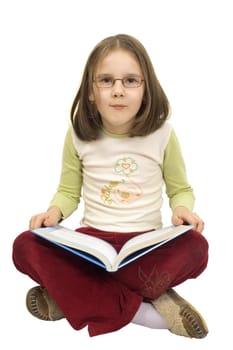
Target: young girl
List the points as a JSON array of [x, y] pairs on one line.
[[118, 152]]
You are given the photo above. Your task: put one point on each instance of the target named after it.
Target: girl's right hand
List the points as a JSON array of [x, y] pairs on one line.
[[49, 218]]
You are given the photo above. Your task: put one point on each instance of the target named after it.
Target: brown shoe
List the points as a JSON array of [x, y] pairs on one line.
[[40, 304], [182, 317]]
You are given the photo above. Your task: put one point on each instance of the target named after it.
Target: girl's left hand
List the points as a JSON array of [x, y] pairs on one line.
[[182, 215]]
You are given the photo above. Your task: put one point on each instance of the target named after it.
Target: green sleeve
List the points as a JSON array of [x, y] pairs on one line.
[[68, 193], [178, 189]]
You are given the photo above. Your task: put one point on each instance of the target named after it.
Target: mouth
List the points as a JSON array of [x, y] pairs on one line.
[[118, 107]]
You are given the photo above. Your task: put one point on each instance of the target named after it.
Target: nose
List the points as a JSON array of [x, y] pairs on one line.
[[118, 88]]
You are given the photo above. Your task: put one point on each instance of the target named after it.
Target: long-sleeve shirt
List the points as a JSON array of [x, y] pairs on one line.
[[121, 179]]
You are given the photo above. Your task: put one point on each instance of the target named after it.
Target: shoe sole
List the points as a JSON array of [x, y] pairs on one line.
[[193, 322], [36, 303]]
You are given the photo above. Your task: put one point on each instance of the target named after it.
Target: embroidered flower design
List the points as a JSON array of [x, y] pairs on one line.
[[125, 166], [153, 283], [127, 193], [124, 191], [106, 192]]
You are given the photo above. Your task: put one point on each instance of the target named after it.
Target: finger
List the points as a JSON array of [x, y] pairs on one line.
[[32, 222], [49, 222], [200, 226], [37, 220], [176, 220], [198, 223]]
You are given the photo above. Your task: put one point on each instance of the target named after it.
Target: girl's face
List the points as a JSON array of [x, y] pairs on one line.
[[118, 104]]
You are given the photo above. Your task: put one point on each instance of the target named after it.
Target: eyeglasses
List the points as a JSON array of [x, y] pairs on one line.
[[128, 82]]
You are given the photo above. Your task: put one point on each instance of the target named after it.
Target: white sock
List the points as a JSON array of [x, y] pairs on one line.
[[148, 316]]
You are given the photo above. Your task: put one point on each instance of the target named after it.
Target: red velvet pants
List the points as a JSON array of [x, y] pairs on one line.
[[105, 301]]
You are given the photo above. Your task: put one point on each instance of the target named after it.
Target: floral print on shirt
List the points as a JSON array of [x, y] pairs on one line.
[[124, 191]]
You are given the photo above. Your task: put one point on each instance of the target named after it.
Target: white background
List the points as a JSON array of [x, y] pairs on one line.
[[44, 46]]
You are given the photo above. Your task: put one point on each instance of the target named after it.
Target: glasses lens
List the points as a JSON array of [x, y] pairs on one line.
[[104, 82], [132, 82]]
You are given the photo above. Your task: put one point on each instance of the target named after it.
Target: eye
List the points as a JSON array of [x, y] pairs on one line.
[[132, 81], [106, 80]]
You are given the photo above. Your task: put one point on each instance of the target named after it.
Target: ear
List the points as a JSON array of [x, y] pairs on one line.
[[91, 98]]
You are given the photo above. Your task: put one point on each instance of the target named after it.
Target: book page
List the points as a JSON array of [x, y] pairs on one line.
[[92, 245], [150, 238]]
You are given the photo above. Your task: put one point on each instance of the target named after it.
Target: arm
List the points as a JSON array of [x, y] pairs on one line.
[[180, 193], [67, 197], [68, 193]]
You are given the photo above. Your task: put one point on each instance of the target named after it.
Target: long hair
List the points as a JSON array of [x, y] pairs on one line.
[[154, 109]]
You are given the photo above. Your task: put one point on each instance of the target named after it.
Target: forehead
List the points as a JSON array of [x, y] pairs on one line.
[[118, 61]]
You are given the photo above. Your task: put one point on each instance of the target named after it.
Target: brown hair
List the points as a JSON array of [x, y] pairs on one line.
[[154, 110]]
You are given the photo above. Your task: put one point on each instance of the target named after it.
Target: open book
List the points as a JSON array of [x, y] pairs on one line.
[[103, 253]]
